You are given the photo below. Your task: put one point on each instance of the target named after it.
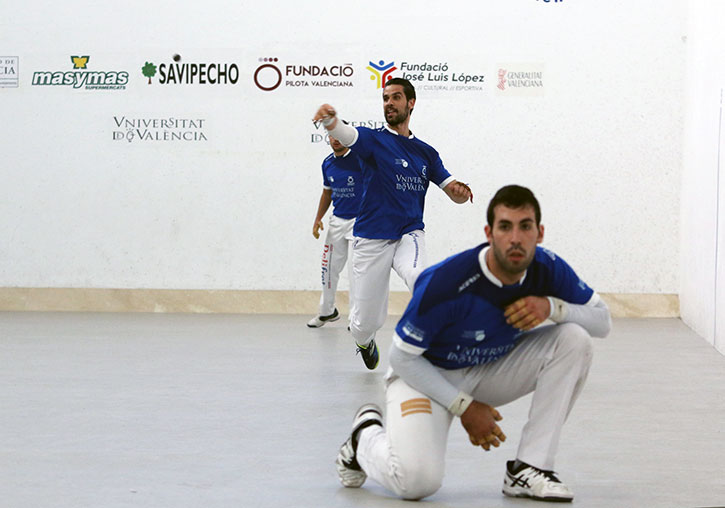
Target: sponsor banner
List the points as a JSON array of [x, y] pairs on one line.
[[176, 71], [275, 73], [81, 72], [149, 129], [521, 79], [9, 69], [318, 134], [437, 76]]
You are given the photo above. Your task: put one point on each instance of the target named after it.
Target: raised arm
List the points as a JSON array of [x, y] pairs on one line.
[[345, 134]]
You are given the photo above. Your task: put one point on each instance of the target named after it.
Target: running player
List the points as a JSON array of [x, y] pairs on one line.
[[389, 228], [341, 185], [470, 341]]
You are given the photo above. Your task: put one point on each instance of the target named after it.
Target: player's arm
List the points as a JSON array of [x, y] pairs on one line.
[[322, 207], [477, 418], [344, 133], [531, 311], [459, 192]]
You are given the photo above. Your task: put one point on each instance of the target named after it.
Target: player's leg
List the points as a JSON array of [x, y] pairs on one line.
[[330, 275], [410, 259], [371, 262], [553, 362], [408, 455]]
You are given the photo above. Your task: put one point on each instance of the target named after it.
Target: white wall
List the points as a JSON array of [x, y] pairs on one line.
[[601, 147], [703, 198]]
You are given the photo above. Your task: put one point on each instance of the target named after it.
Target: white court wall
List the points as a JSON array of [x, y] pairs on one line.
[[231, 204], [703, 200]]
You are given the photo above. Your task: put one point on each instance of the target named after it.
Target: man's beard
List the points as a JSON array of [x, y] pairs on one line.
[[507, 266], [397, 118]]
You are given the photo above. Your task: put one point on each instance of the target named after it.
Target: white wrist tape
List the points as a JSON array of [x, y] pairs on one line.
[[559, 309], [327, 120], [460, 403]]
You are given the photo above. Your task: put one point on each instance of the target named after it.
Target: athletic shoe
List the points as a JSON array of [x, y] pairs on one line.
[[529, 481], [369, 354], [348, 468], [318, 321]]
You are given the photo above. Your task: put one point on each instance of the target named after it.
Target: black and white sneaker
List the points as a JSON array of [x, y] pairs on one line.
[[370, 354], [318, 321], [348, 468], [535, 483]]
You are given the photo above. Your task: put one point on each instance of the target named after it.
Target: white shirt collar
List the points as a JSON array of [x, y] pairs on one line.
[[346, 153], [489, 275], [396, 132]]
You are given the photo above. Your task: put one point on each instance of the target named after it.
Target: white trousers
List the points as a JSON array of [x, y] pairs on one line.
[[334, 257], [371, 264], [407, 456]]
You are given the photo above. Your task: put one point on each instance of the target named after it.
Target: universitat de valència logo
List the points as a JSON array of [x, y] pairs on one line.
[[80, 76]]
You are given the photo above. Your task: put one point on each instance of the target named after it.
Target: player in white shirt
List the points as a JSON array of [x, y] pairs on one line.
[[389, 228]]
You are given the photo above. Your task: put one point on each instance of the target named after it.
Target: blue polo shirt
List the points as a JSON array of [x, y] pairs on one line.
[[343, 175], [455, 318], [396, 173]]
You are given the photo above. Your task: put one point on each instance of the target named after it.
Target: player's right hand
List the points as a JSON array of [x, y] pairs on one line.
[[316, 228], [479, 420], [324, 111]]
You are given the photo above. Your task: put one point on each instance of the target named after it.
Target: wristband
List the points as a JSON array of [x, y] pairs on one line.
[[559, 309], [460, 403], [327, 120]]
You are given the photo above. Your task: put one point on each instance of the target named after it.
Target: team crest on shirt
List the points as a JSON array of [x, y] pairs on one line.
[[350, 180], [479, 335], [424, 170]]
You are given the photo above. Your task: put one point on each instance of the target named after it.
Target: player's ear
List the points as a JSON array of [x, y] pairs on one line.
[[540, 238], [487, 230]]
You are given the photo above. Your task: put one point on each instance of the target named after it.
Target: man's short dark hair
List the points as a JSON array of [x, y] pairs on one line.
[[513, 196], [408, 88]]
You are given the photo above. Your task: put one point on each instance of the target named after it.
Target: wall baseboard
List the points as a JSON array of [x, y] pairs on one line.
[[255, 302]]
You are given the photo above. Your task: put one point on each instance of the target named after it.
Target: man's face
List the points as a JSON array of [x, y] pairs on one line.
[[336, 146], [396, 107], [513, 238]]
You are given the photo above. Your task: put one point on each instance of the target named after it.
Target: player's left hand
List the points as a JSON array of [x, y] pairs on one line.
[[528, 312]]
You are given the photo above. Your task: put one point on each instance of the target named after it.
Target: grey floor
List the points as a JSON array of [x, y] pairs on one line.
[[159, 410]]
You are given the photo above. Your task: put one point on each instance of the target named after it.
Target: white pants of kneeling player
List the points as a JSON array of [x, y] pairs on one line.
[[334, 257], [371, 263], [407, 456]]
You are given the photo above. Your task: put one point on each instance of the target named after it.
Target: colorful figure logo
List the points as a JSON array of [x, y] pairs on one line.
[[382, 72]]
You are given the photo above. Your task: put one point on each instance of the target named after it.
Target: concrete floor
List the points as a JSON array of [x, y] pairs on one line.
[[171, 410]]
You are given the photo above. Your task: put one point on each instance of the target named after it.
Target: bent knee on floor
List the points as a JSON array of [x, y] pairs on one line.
[[419, 481]]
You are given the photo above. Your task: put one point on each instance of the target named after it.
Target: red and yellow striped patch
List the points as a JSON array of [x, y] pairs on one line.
[[413, 406]]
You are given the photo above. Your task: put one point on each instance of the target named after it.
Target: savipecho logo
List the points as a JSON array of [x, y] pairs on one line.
[[269, 76], [176, 73], [90, 80]]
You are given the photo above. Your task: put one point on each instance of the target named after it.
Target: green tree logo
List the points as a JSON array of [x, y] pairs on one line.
[[149, 70]]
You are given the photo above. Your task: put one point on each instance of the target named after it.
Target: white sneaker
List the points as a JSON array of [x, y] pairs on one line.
[[529, 481], [318, 321], [348, 468]]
